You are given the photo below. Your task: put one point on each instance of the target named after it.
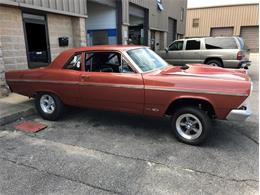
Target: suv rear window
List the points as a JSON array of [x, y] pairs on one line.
[[220, 43]]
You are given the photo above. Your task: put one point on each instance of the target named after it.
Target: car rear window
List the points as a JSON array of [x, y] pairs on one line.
[[220, 43]]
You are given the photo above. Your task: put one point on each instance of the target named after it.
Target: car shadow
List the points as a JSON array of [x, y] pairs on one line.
[[154, 128]]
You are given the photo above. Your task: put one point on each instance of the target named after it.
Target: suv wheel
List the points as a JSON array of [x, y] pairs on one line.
[[215, 63], [191, 125]]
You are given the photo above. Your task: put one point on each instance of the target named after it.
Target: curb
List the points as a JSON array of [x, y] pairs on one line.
[[15, 116]]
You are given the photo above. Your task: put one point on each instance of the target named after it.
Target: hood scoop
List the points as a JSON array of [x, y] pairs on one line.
[[185, 67]]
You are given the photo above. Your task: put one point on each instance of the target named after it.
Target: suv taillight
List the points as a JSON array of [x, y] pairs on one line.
[[239, 55]]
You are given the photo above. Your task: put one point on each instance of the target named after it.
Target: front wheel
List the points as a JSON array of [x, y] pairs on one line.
[[191, 125], [49, 106]]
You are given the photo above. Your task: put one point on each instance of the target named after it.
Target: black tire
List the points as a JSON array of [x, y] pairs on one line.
[[58, 107], [202, 127], [215, 63]]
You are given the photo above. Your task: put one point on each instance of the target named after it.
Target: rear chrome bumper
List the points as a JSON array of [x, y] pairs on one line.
[[241, 113], [236, 64], [244, 64]]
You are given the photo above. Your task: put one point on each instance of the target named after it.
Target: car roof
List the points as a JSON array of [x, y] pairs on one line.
[[193, 38], [106, 48], [63, 57]]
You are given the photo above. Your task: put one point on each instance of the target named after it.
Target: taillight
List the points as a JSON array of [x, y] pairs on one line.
[[239, 55]]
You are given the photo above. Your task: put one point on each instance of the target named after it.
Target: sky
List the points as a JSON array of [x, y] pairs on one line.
[[205, 3]]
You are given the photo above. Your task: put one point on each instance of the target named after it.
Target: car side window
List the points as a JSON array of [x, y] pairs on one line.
[[74, 63], [176, 46], [106, 62], [125, 68], [193, 45]]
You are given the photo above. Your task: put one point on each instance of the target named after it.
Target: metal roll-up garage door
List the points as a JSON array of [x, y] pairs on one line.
[[222, 32], [171, 36], [251, 36]]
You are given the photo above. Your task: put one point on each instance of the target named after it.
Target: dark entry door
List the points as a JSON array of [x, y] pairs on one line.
[[37, 42], [172, 29]]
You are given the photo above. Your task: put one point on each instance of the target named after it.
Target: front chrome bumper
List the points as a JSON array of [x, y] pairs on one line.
[[240, 114]]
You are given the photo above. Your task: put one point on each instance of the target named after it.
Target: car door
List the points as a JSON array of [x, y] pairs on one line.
[[110, 83], [192, 52], [174, 54]]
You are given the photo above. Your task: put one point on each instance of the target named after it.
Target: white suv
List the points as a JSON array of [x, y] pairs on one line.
[[228, 52]]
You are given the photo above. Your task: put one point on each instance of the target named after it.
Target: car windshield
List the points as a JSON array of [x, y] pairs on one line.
[[146, 59]]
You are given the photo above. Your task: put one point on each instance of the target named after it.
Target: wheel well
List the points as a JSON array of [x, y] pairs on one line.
[[199, 103], [213, 58], [36, 93]]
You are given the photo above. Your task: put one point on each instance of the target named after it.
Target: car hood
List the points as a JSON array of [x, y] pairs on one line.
[[206, 71]]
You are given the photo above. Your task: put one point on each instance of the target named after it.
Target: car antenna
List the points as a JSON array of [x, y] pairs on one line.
[[185, 67]]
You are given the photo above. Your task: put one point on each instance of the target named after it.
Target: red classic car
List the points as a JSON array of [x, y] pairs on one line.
[[133, 79]]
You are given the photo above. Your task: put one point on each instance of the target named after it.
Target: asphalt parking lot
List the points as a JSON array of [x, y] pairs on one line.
[[95, 152]]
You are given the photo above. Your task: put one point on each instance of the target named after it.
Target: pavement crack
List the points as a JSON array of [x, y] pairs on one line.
[[221, 177], [148, 161], [252, 139], [59, 176], [174, 167]]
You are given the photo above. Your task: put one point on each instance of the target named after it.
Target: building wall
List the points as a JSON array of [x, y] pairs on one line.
[[225, 16], [79, 31], [68, 7], [12, 44], [59, 26], [158, 20]]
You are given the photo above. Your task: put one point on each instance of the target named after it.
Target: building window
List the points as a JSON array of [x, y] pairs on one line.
[[195, 22], [182, 14]]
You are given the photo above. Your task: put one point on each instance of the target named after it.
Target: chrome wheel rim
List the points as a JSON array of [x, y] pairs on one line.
[[47, 104], [189, 126]]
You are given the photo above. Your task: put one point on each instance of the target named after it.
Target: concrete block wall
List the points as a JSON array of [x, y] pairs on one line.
[[12, 39], [79, 31], [59, 26], [12, 44]]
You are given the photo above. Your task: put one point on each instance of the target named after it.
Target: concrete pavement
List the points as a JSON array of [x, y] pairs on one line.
[[14, 107]]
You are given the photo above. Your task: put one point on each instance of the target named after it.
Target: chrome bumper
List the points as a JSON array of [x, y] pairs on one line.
[[240, 114], [244, 64]]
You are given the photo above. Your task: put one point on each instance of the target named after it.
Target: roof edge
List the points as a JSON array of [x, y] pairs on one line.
[[217, 6]]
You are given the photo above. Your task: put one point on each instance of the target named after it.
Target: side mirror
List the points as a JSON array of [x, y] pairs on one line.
[[166, 49]]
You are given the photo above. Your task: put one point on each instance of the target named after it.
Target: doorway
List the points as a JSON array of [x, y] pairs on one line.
[[172, 30], [138, 25], [37, 42]]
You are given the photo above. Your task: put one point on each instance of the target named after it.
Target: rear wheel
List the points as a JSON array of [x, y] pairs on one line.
[[49, 106], [215, 63], [191, 125]]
